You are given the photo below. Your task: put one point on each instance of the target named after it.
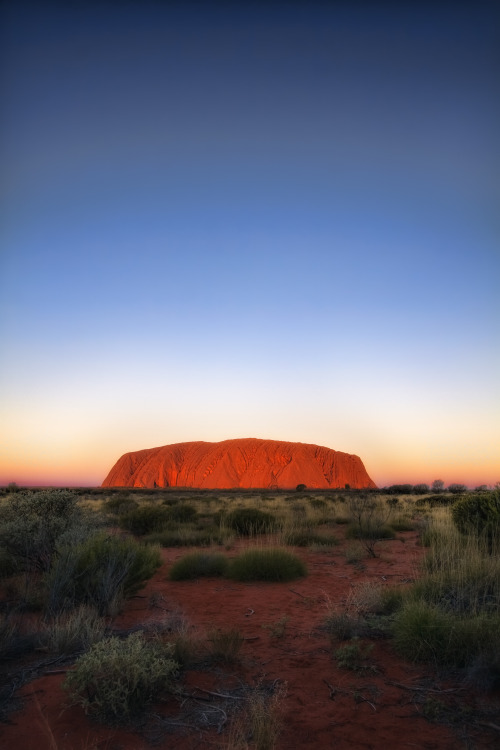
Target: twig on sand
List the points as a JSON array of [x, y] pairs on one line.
[[218, 695], [424, 689]]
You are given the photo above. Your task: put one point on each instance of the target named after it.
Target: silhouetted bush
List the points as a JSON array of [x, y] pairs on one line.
[[457, 489], [271, 564], [116, 680], [247, 521], [421, 489]]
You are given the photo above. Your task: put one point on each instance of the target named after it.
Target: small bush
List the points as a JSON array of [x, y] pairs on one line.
[[353, 656], [342, 625], [146, 519], [116, 680], [478, 513], [121, 505], [74, 631], [272, 564], [100, 572], [182, 513], [225, 644], [34, 522], [197, 565], [248, 521], [318, 503]]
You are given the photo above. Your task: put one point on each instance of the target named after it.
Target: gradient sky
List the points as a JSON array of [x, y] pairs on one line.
[[252, 221]]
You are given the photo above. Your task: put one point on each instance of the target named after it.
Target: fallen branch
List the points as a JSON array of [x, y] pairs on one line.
[[423, 689]]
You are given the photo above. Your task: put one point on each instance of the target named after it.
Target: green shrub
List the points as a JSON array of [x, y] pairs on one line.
[[342, 625], [353, 655], [197, 565], [116, 680], [100, 572], [271, 564], [146, 519], [248, 521], [121, 504], [424, 632], [33, 523], [182, 513], [478, 514]]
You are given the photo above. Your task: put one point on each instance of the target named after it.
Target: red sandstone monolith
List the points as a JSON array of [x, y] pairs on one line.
[[244, 463]]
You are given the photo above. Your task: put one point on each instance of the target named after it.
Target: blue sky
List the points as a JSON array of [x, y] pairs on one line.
[[268, 221]]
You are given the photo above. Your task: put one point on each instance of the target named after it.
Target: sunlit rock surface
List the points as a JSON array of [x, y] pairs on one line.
[[246, 462]]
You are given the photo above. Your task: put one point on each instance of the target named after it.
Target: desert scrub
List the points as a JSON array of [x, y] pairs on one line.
[[74, 631], [100, 572], [307, 538], [269, 564], [117, 679], [225, 644], [197, 565], [146, 519], [478, 514], [354, 656], [120, 505], [451, 614], [34, 523], [186, 536], [182, 512], [248, 521]]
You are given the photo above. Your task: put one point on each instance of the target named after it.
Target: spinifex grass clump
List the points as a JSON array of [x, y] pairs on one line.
[[268, 564], [99, 572], [117, 679], [451, 615], [197, 565], [248, 521], [225, 644]]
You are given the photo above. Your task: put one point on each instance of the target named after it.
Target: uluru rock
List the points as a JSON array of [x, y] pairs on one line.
[[245, 463]]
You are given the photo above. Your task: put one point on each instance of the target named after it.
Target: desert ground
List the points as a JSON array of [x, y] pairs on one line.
[[322, 655]]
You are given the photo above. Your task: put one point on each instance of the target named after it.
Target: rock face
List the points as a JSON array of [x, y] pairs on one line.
[[244, 463]]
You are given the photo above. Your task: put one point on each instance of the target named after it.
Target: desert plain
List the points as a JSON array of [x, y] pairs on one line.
[[325, 654]]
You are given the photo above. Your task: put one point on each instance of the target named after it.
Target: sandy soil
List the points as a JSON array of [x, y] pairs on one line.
[[391, 703]]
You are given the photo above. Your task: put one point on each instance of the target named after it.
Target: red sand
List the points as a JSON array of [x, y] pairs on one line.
[[325, 706]]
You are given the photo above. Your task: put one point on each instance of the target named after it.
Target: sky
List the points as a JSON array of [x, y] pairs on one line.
[[250, 220]]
